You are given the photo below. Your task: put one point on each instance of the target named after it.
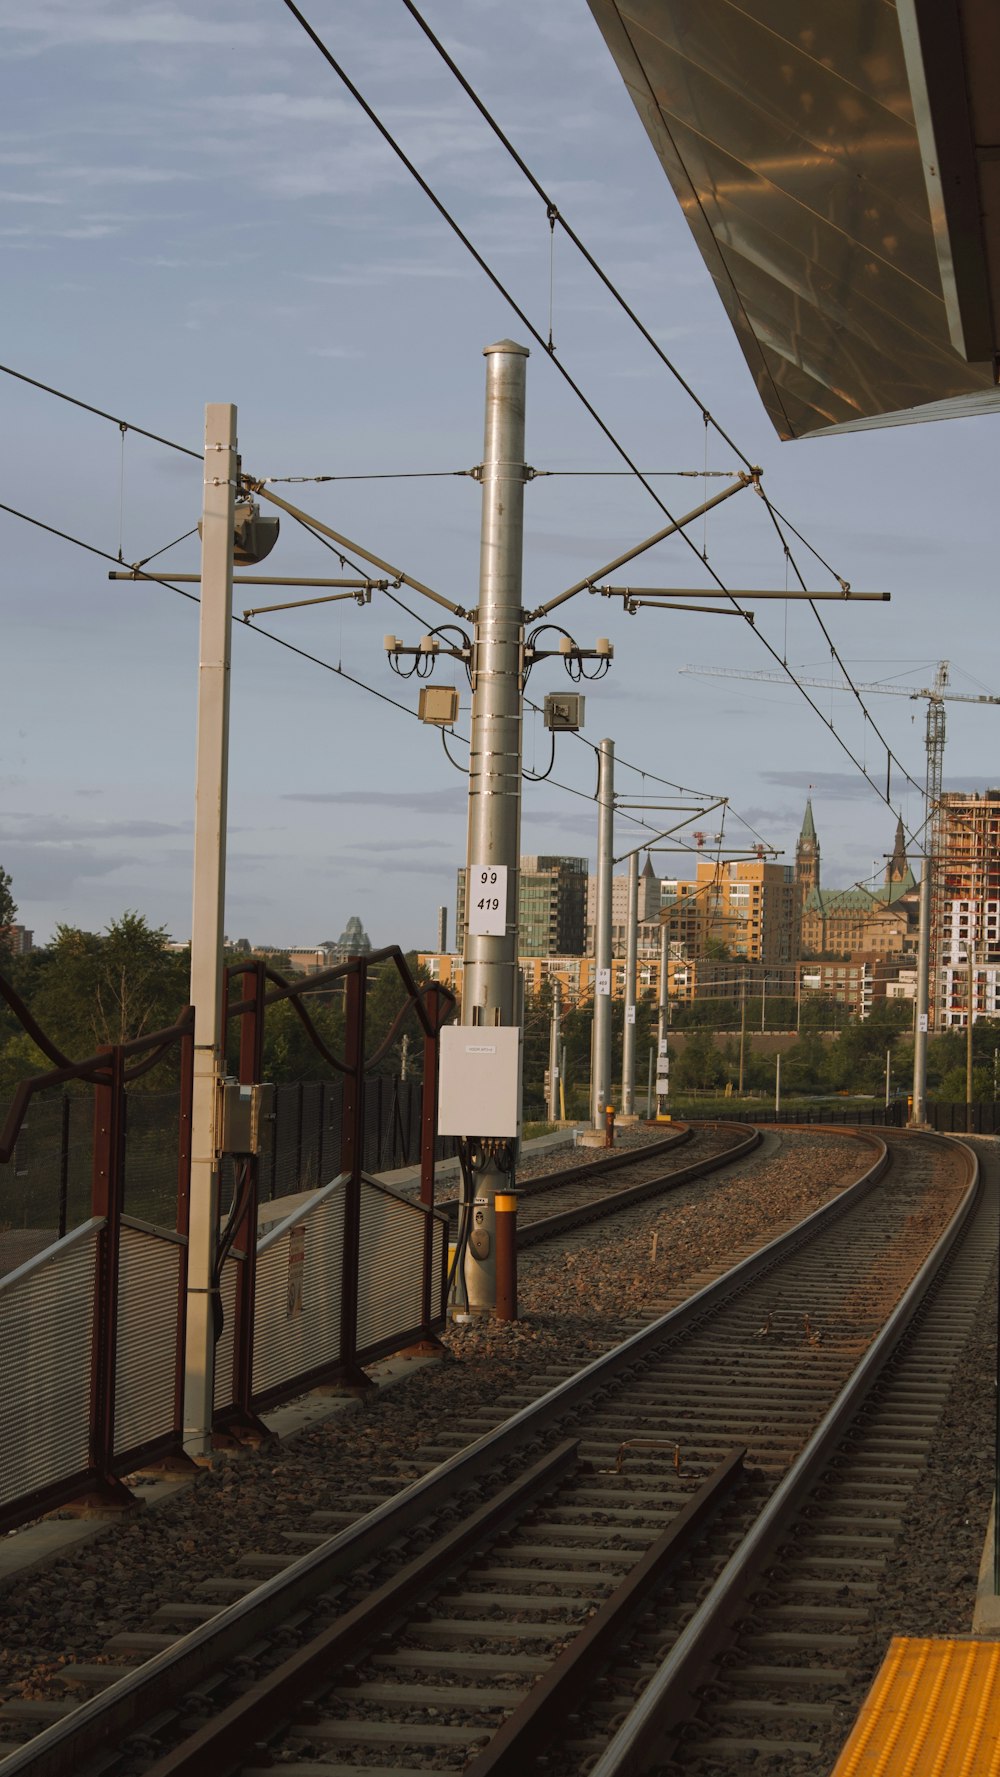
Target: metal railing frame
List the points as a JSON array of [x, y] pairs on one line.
[[263, 987], [109, 1072]]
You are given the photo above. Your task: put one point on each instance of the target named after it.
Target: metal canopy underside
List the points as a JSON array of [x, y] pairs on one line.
[[839, 189]]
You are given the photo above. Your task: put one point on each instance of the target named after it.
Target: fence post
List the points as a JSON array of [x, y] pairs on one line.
[[428, 1151], [351, 1163], [183, 1208], [245, 1231], [64, 1165], [107, 1190]]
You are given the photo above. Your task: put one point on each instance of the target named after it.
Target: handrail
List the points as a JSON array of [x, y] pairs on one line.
[[294, 991], [94, 1068]]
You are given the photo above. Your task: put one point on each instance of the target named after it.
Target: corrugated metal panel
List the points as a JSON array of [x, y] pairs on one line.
[[46, 1350], [297, 1303], [223, 1392], [390, 1273], [439, 1280], [147, 1347]]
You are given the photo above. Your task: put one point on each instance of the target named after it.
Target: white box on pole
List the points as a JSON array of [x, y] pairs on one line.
[[479, 1082]]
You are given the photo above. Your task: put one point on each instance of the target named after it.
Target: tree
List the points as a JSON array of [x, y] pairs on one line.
[[96, 988], [8, 914]]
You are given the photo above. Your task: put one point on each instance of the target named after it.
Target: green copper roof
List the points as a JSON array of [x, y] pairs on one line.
[[808, 824]]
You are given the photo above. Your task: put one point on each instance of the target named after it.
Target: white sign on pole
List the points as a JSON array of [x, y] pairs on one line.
[[629, 1014], [487, 900], [663, 1046], [603, 981], [922, 1021]]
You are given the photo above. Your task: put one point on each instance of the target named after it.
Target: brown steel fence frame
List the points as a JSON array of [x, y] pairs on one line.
[[432, 1005], [109, 1072]]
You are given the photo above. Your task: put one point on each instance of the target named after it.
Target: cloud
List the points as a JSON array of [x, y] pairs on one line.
[[53, 830], [848, 786], [421, 801], [54, 24]]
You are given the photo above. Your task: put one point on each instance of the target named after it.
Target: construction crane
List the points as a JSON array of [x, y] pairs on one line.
[[935, 696]]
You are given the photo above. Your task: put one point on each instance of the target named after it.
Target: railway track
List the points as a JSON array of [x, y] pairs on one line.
[[552, 1204], [448, 1625]]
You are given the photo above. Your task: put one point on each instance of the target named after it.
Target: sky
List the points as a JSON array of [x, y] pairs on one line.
[[194, 209]]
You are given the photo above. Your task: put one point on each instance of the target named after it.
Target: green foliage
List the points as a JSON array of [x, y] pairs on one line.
[[87, 989]]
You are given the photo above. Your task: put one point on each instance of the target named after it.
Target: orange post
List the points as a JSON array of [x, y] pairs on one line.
[[609, 1126], [505, 1235]]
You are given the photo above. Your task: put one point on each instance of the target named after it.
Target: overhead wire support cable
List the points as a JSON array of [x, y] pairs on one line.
[[555, 215], [571, 382]]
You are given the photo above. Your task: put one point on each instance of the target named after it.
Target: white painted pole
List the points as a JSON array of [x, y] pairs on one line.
[[554, 1048], [631, 985], [208, 913], [777, 1084]]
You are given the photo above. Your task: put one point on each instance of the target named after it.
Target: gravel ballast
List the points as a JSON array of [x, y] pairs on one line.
[[573, 1304]]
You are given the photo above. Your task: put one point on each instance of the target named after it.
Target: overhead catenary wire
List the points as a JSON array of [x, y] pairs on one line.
[[116, 420], [538, 336]]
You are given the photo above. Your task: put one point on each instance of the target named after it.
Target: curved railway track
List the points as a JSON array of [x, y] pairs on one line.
[[459, 1621]]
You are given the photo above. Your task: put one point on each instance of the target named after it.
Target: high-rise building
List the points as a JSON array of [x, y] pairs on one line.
[[965, 925], [551, 906], [746, 905], [648, 913]]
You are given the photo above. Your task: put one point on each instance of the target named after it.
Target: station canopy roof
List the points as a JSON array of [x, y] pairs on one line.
[[838, 162]]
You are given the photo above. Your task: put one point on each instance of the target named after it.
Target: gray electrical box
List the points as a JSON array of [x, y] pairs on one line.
[[245, 1116], [564, 710], [479, 1080]]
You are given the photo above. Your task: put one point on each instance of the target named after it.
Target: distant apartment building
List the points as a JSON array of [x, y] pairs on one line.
[[551, 906], [965, 925], [17, 940], [746, 905], [648, 913]]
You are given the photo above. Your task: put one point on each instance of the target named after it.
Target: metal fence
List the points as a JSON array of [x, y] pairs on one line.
[[47, 1186], [946, 1119]]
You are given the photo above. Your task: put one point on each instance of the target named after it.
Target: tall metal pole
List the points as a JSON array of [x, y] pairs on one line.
[[934, 736], [631, 971], [554, 1052], [208, 911], [970, 1002], [600, 1081], [918, 1109], [662, 1018], [743, 1025], [491, 990]]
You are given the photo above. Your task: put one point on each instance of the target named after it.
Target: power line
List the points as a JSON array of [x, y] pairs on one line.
[[123, 425], [554, 215], [616, 444]]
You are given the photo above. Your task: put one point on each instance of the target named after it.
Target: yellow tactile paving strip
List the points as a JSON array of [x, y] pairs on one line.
[[933, 1711]]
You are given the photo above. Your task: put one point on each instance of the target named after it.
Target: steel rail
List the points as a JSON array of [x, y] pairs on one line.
[[521, 1737], [221, 1742], [60, 1749], [550, 1227], [638, 1744]]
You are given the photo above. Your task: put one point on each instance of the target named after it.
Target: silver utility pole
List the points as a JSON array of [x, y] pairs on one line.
[[211, 788], [663, 1008], [631, 967], [600, 1083], [554, 1053], [491, 992]]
